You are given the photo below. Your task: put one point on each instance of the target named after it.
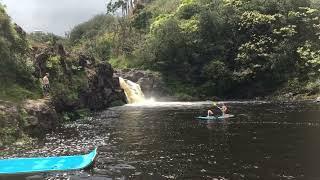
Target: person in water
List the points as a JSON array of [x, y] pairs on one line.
[[46, 85], [223, 109]]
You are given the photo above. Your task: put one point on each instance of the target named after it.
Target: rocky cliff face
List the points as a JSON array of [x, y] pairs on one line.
[[103, 89], [97, 90], [77, 81]]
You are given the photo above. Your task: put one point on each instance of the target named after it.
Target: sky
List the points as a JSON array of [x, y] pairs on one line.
[[56, 16]]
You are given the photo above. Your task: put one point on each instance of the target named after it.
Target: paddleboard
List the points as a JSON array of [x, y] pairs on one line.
[[44, 164], [215, 117]]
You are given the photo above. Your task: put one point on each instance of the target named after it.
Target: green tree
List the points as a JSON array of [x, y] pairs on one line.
[[16, 81]]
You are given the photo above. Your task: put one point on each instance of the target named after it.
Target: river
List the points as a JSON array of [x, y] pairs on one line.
[[164, 141]]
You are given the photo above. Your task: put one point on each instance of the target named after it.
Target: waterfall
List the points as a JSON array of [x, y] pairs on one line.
[[132, 90]]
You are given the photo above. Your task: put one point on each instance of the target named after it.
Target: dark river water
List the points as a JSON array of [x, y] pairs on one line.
[[164, 141]]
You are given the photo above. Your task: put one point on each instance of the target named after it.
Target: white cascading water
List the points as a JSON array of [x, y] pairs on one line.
[[133, 91], [136, 98]]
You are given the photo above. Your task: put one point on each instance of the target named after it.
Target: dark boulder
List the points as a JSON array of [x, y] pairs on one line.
[[86, 61], [39, 116], [103, 90]]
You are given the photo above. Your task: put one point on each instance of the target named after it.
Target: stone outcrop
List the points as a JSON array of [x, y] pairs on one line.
[[151, 83], [39, 116], [40, 58], [41, 55], [33, 117], [103, 90], [99, 90]]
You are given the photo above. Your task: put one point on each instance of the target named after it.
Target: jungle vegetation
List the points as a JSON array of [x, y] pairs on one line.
[[225, 48], [235, 48]]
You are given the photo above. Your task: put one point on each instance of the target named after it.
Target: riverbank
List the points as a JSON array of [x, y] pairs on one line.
[[33, 118], [295, 90]]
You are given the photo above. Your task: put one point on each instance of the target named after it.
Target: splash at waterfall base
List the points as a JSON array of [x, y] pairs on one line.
[[155, 85], [151, 83], [133, 92]]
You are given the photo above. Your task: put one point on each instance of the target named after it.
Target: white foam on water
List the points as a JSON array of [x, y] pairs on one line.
[[166, 104], [153, 103]]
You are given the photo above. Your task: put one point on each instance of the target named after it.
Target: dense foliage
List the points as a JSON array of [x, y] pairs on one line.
[[228, 48], [92, 37], [16, 81], [242, 47]]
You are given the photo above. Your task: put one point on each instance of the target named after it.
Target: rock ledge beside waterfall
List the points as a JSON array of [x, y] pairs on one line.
[[103, 89]]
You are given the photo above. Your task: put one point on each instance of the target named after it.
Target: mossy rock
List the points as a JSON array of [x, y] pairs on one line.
[[117, 103]]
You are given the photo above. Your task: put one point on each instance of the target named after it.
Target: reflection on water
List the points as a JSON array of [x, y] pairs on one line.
[[164, 141]]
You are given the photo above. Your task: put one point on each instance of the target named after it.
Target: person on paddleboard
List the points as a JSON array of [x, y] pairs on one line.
[[223, 109]]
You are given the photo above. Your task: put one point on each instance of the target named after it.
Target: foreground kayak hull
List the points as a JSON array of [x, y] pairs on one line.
[[45, 164], [215, 117]]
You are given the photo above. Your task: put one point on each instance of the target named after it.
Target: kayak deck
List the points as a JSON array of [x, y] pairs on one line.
[[43, 164], [215, 117]]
